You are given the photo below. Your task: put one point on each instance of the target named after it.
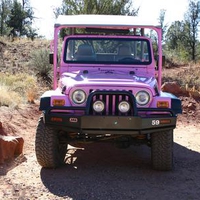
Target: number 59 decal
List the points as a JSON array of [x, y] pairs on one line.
[[155, 122]]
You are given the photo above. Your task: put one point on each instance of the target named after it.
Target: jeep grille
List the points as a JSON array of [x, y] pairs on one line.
[[111, 100]]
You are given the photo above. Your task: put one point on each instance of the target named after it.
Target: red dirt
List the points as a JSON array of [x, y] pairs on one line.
[[23, 178]]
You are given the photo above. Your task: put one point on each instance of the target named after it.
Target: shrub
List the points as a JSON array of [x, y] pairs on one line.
[[40, 63]]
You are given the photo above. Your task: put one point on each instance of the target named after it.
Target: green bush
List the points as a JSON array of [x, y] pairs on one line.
[[41, 66]]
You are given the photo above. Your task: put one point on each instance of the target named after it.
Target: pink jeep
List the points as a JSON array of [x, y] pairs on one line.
[[107, 87]]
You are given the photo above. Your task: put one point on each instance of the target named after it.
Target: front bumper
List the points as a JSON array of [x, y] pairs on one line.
[[136, 121], [110, 124]]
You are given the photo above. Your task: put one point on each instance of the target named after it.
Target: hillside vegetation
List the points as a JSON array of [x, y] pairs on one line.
[[25, 72], [24, 69]]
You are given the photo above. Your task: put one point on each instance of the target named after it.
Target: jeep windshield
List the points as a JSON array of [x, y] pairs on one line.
[[107, 50]]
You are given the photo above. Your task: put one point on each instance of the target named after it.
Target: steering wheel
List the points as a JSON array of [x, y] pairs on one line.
[[128, 59]]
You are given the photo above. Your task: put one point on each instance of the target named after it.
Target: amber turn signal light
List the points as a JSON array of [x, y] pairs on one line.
[[58, 102], [162, 104]]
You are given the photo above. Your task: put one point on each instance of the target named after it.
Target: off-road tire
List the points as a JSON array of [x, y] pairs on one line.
[[50, 153], [162, 150]]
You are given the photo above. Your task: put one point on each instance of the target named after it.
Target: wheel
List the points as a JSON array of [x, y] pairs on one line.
[[162, 150], [50, 153]]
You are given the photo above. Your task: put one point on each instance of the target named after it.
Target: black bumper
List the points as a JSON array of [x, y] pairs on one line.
[[110, 124]]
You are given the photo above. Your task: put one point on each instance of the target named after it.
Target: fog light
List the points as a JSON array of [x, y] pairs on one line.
[[124, 106], [98, 106]]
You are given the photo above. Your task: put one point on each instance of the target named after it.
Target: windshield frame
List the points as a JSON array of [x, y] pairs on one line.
[[120, 39]]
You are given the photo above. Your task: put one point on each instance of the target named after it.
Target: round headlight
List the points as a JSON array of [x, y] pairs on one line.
[[142, 98], [78, 96], [124, 106], [98, 106]]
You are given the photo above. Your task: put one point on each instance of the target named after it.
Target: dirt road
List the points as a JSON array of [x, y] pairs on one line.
[[103, 172]]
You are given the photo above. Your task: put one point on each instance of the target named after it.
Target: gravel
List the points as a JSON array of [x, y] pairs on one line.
[[103, 172]]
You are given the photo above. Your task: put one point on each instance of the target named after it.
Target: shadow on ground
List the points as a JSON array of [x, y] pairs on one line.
[[101, 171]]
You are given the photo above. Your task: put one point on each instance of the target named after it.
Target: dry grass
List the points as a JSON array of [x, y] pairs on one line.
[[187, 76], [17, 89], [9, 98], [18, 81]]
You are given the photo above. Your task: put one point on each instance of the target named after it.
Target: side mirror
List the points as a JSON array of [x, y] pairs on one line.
[[157, 60], [163, 61], [51, 58]]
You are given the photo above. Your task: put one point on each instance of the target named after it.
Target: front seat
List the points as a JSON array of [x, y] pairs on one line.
[[124, 51], [85, 52]]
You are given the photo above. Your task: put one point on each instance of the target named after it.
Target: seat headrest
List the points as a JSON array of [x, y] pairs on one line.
[[85, 50], [124, 50]]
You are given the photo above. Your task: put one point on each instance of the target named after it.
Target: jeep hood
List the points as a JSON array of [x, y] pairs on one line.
[[104, 78]]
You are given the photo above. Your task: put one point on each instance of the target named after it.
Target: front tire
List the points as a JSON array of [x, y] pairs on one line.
[[50, 153], [162, 150]]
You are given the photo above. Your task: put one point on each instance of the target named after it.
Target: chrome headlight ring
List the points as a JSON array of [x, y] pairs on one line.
[[79, 96], [142, 98]]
